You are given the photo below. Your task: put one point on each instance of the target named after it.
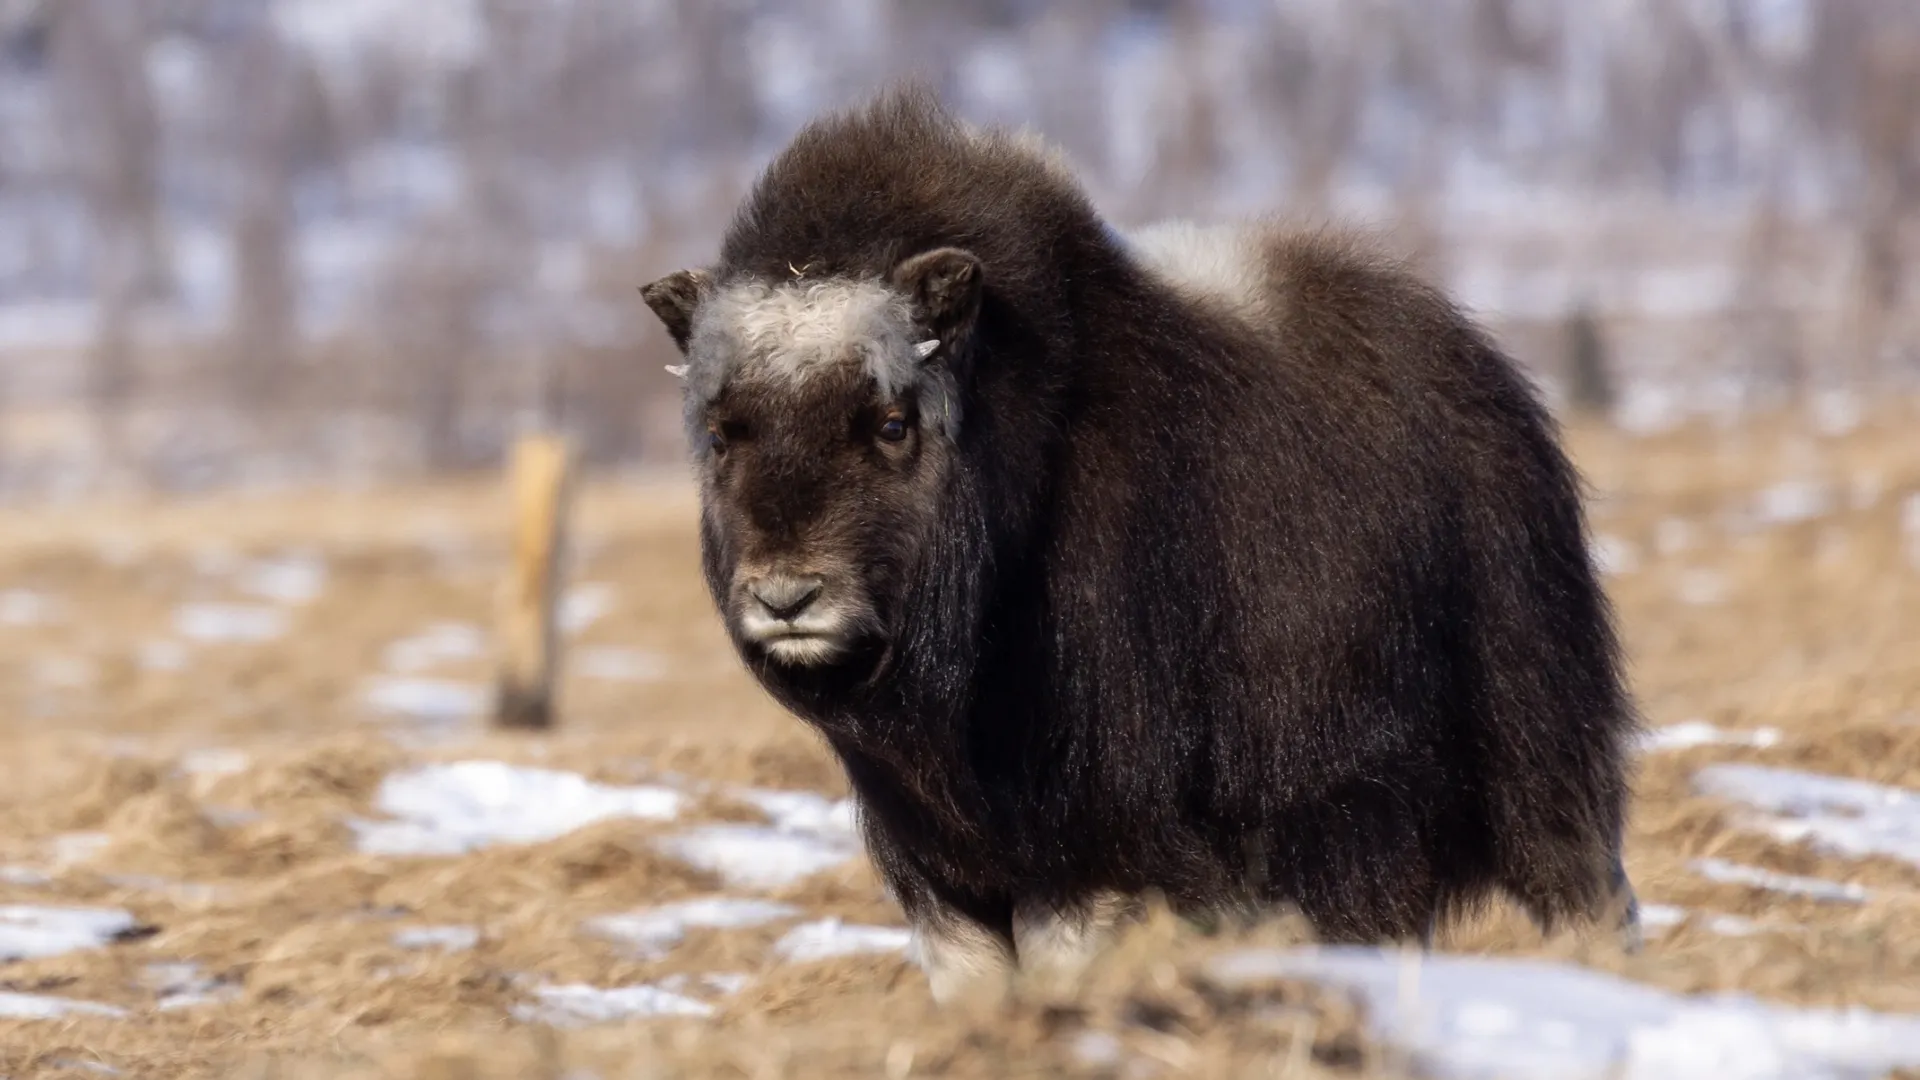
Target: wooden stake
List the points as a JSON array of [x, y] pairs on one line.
[[529, 601]]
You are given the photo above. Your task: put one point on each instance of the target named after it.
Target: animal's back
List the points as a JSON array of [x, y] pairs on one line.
[[1365, 610]]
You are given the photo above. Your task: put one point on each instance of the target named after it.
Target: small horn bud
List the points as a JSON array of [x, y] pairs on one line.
[[678, 371], [926, 348]]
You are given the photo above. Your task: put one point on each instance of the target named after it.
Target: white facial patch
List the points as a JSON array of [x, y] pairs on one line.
[[795, 330], [1221, 264]]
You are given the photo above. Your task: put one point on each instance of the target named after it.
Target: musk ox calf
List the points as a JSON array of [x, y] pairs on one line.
[[1226, 565]]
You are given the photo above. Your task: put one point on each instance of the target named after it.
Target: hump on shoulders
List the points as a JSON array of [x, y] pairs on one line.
[[1269, 274]]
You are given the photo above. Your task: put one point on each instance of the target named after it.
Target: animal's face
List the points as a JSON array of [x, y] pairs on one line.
[[822, 416]]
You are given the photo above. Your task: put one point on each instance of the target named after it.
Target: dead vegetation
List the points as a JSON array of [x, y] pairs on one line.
[[1744, 604]]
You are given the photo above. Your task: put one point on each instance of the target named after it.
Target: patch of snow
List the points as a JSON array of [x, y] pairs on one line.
[[40, 1007], [1692, 733], [1732, 873], [1837, 412], [23, 875], [585, 605], [654, 931], [1614, 556], [454, 808], [229, 622], [829, 938], [23, 607], [292, 579], [1659, 918], [185, 986], [619, 665], [1470, 1017], [1097, 1050], [33, 931], [1849, 817], [801, 811], [445, 938], [576, 1004], [1792, 501], [431, 700], [440, 643], [728, 983], [758, 857]]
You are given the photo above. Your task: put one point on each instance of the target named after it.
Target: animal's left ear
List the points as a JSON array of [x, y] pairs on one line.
[[675, 298], [944, 285]]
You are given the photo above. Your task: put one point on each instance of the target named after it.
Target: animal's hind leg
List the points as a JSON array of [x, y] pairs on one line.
[[1056, 946], [964, 960]]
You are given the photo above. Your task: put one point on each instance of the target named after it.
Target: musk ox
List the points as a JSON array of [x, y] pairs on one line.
[[1223, 564]]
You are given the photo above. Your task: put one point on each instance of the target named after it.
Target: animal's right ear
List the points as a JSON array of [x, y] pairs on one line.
[[675, 298], [944, 285]]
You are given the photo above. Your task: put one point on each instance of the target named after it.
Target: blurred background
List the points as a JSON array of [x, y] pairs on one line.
[[252, 242]]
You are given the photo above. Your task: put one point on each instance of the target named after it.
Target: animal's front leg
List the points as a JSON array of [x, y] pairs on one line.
[[964, 960]]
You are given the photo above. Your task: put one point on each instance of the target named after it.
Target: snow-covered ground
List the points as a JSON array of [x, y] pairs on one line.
[[1484, 1018]]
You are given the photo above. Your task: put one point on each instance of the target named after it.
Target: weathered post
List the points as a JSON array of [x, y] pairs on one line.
[[528, 617]]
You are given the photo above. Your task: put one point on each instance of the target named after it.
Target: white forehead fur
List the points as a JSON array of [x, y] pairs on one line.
[[792, 331], [1222, 264]]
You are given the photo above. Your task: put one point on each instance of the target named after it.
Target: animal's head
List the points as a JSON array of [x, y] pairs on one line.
[[823, 414]]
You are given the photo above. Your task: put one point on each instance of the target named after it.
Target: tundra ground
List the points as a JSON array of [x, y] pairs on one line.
[[201, 701]]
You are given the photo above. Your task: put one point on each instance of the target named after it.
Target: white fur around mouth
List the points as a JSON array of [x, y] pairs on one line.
[[801, 649], [813, 638]]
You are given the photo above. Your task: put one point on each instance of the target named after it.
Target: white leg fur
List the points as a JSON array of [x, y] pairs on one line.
[[963, 960], [1055, 948]]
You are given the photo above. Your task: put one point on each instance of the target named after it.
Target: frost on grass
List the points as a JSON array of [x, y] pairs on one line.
[[1732, 873], [1485, 1017], [33, 931], [1692, 733], [459, 807], [828, 938], [15, 1006], [444, 938], [576, 1005], [1853, 818], [229, 622], [434, 701], [439, 643], [654, 931]]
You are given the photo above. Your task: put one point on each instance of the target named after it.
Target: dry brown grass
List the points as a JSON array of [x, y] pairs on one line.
[[1818, 634]]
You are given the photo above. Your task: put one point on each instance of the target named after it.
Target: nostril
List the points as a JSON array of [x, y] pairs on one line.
[[784, 597]]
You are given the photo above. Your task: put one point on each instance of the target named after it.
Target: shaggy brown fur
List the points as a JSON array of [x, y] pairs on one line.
[[1236, 566]]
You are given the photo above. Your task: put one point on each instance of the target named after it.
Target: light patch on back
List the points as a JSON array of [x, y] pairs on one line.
[[1219, 264]]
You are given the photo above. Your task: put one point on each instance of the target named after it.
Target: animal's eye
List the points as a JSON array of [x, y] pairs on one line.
[[716, 442], [894, 428]]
